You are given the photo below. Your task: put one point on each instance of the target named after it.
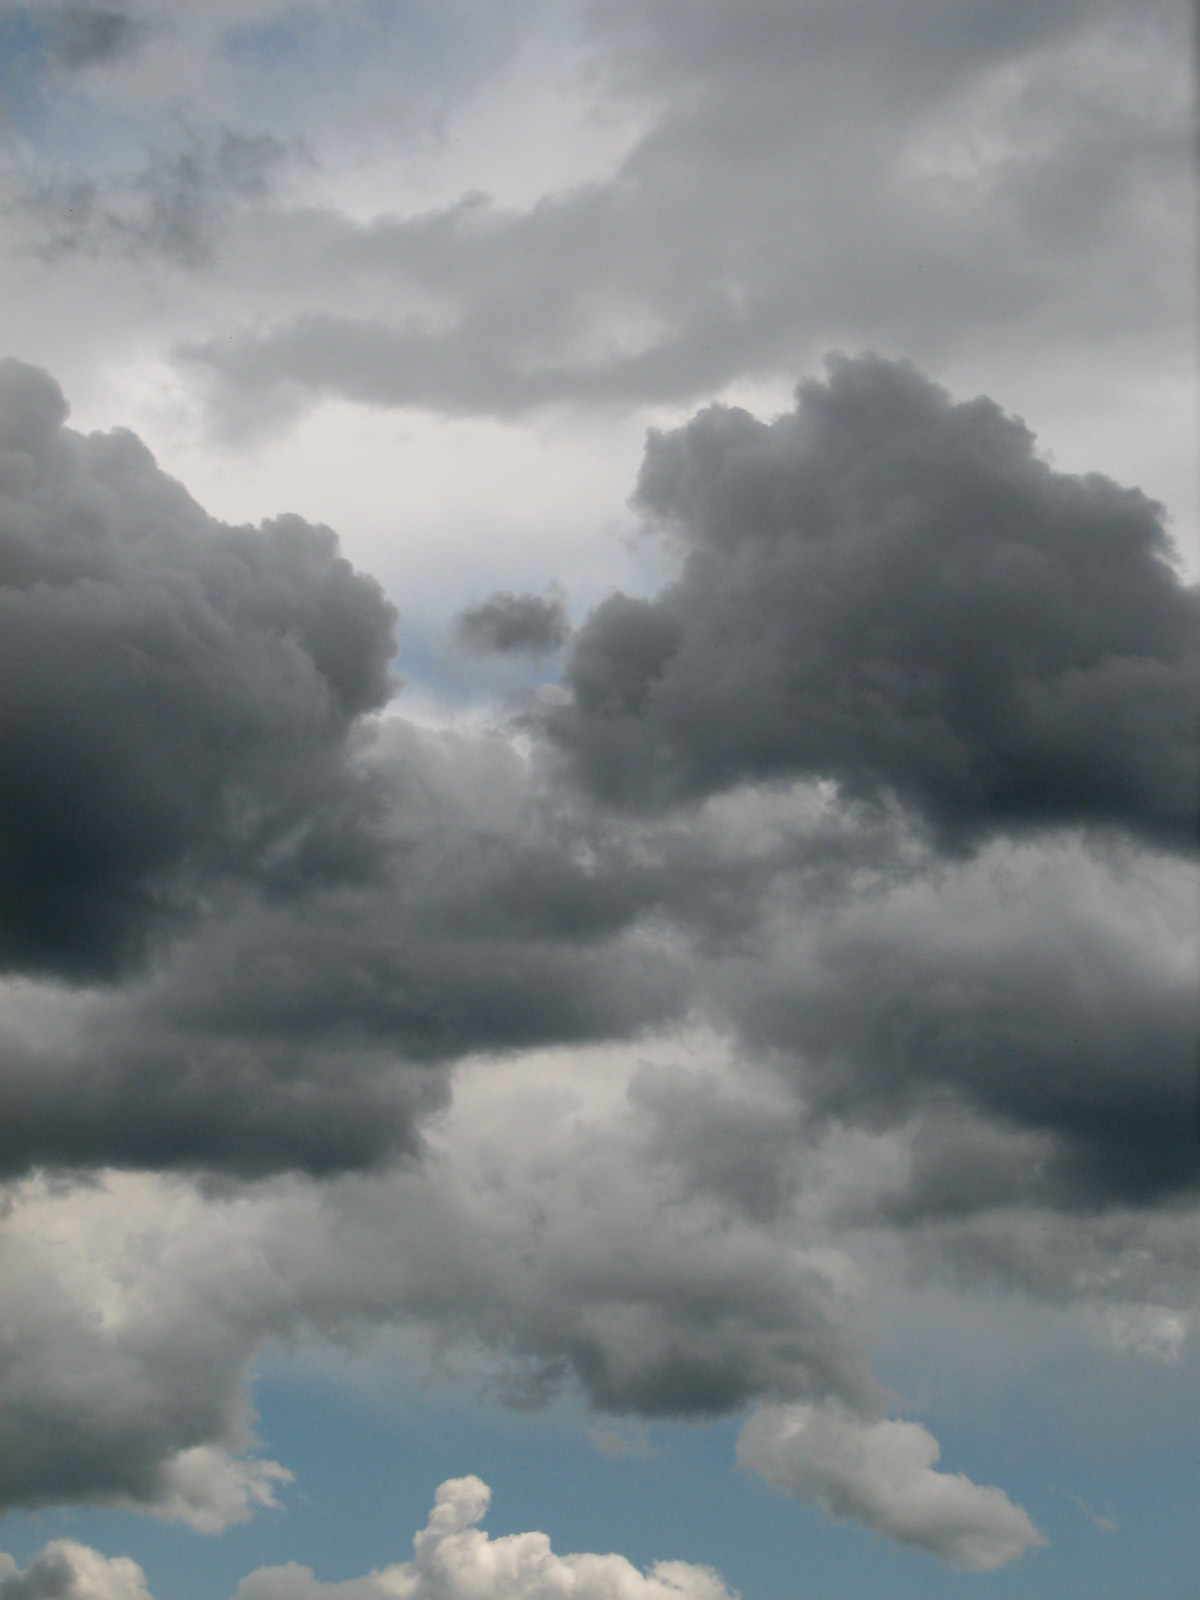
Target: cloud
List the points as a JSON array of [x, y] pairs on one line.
[[453, 1561], [179, 206], [884, 1475], [67, 1570], [512, 624], [336, 943], [129, 1392], [919, 189], [308, 1019], [85, 35], [179, 694], [891, 590], [253, 924], [553, 1238], [1049, 986], [535, 1248]]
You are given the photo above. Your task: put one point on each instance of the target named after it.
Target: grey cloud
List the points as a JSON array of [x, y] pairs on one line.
[[532, 1248], [75, 37], [313, 915], [884, 1474], [316, 913], [725, 243], [311, 1024], [179, 694], [739, 1147], [84, 35], [1136, 1266], [180, 205], [512, 624], [894, 591], [1046, 989], [67, 1570], [113, 1414]]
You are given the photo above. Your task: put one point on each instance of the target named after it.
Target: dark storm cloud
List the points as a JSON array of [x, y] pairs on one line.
[[296, 916], [321, 913], [512, 624], [310, 1024], [1001, 188], [178, 698], [1053, 995], [894, 591]]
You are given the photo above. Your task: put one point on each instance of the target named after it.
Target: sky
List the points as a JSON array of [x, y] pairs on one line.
[[599, 674]]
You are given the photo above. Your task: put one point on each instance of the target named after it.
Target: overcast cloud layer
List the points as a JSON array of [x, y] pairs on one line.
[[779, 914]]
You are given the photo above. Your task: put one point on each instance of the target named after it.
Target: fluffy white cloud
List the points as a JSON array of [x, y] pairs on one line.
[[454, 1560], [211, 1489], [883, 1474], [66, 1570]]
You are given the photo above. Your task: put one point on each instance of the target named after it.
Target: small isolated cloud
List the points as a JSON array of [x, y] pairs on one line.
[[65, 1570], [1105, 1521], [512, 624], [454, 1560], [1158, 1333], [883, 1475]]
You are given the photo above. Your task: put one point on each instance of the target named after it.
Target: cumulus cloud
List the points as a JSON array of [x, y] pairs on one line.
[[455, 1561], [308, 1023], [263, 925], [884, 1475], [512, 624], [67, 1570], [539, 1245], [1049, 986], [179, 694], [305, 907], [294, 915], [891, 590]]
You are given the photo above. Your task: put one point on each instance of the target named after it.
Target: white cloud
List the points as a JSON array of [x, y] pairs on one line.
[[454, 1560], [457, 1561], [211, 1489], [883, 1474], [65, 1570]]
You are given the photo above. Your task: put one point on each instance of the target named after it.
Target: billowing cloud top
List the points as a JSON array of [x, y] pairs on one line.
[[453, 1561], [178, 693], [894, 591]]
